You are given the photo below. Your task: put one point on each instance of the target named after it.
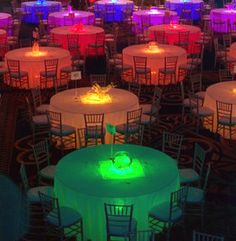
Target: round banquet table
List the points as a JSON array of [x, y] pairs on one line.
[[86, 36], [86, 179], [156, 17], [179, 5], [227, 16], [223, 92], [5, 20], [34, 64], [3, 36], [60, 18], [172, 33], [33, 7], [73, 110], [118, 6], [155, 60]]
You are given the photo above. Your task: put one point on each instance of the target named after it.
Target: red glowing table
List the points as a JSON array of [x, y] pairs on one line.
[[85, 36], [155, 59], [172, 33], [34, 64], [65, 18]]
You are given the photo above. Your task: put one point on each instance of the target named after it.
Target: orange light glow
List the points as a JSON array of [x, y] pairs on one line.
[[35, 51], [153, 48], [97, 95], [234, 90]]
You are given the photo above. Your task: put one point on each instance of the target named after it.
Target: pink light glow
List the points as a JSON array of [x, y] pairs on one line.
[[154, 11], [77, 27], [70, 10]]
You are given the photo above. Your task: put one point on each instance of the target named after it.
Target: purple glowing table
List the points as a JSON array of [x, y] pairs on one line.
[[179, 5], [46, 7], [112, 10], [70, 18], [221, 19], [5, 20], [157, 17]]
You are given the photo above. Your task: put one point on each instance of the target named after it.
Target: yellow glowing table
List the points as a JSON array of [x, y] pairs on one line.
[[73, 110], [155, 59], [34, 64], [224, 92], [86, 179]]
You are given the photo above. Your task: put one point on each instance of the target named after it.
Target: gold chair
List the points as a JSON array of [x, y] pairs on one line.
[[141, 71]]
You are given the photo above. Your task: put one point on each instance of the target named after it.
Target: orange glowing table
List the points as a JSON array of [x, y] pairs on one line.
[[155, 59], [34, 64]]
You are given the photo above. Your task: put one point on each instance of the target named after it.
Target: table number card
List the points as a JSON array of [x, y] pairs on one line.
[[75, 75]]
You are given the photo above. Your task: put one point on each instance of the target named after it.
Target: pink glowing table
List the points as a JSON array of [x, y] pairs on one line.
[[85, 36], [5, 20], [34, 64], [223, 92], [3, 39], [172, 33], [155, 59], [226, 16], [65, 18], [157, 17]]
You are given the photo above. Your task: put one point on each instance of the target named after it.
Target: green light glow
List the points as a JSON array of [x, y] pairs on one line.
[[122, 160], [109, 171]]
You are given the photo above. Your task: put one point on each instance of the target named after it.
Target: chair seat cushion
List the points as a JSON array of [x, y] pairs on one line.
[[19, 75], [161, 212], [48, 74], [68, 217], [42, 108], [66, 130], [204, 111], [225, 121], [93, 132], [147, 119], [142, 70], [167, 71], [195, 195], [188, 175], [48, 172], [40, 119], [33, 193], [122, 230], [122, 129], [66, 69], [124, 67]]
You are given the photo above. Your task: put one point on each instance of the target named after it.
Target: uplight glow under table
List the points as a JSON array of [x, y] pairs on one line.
[[86, 179], [225, 92], [155, 58]]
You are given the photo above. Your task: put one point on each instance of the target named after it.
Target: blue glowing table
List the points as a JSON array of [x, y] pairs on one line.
[[179, 5], [34, 7], [86, 179]]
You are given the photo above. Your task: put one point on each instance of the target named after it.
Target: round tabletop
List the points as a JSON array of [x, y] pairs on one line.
[[86, 179], [34, 64], [73, 109], [155, 58], [60, 18], [34, 7], [115, 2], [87, 35], [186, 1], [223, 92], [224, 16], [172, 33]]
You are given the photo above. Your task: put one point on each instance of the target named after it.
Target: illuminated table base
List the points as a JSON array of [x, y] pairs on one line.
[[85, 184]]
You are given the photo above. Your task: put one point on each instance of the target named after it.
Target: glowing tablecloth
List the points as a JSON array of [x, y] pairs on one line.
[[3, 36], [86, 36], [118, 6], [34, 64], [73, 111], [155, 60], [33, 7], [223, 15], [179, 5], [156, 16], [5, 20], [79, 184], [223, 92], [58, 18], [172, 33]]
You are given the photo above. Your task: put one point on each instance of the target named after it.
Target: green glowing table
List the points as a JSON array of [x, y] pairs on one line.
[[85, 179]]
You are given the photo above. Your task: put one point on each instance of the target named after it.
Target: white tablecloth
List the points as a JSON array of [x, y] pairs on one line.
[[223, 92], [34, 64], [60, 18], [154, 60]]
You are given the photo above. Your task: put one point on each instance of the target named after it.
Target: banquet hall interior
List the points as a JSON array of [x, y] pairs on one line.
[[118, 120]]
